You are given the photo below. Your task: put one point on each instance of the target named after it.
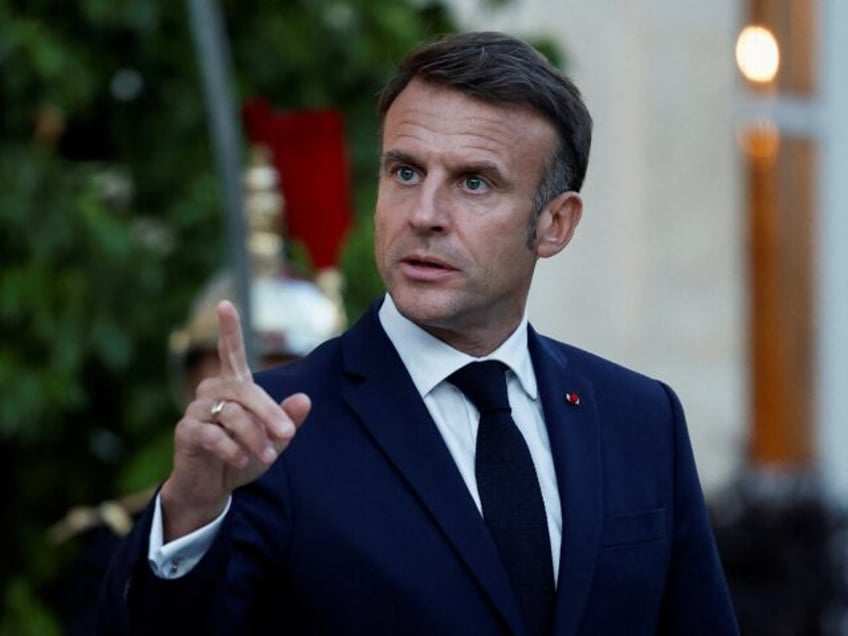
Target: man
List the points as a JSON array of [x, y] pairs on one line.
[[385, 515]]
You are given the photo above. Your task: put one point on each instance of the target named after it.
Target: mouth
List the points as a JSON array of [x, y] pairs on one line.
[[428, 263], [426, 268]]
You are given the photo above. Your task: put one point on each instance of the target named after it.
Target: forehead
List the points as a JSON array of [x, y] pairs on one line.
[[430, 118]]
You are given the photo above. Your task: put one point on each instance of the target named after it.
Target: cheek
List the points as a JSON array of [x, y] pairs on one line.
[[505, 253], [505, 236], [382, 210], [382, 236]]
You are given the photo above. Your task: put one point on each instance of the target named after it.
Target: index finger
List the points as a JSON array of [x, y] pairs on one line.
[[231, 351]]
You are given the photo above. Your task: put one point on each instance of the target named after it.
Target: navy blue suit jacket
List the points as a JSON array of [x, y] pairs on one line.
[[364, 525]]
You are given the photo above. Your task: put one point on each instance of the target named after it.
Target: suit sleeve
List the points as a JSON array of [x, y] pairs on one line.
[[696, 600], [133, 600], [227, 592]]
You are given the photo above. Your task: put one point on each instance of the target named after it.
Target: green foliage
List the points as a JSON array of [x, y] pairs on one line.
[[24, 613]]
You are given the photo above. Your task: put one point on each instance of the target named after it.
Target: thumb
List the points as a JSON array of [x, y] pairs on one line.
[[297, 407]]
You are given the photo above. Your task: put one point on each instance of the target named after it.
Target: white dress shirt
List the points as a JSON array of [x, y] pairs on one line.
[[429, 362]]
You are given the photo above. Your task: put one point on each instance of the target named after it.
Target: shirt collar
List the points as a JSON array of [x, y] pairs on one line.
[[430, 360]]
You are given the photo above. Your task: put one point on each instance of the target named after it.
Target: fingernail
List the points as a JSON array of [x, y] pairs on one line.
[[284, 428], [269, 454]]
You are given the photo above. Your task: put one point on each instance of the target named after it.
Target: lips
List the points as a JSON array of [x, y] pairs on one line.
[[427, 262], [426, 268]]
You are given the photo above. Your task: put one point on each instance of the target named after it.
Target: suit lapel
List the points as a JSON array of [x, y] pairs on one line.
[[574, 434], [384, 398]]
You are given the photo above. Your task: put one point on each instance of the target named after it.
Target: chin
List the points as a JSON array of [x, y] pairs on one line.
[[421, 307]]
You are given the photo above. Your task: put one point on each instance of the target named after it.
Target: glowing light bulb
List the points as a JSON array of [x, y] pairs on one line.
[[757, 54]]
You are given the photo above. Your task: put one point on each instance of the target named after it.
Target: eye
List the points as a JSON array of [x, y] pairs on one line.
[[406, 174], [473, 183]]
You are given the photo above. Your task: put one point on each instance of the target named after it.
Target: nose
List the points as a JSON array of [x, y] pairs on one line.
[[431, 211]]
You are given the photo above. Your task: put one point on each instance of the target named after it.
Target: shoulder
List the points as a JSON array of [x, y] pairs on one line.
[[612, 383], [593, 366]]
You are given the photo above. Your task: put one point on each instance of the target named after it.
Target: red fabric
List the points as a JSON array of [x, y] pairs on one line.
[[308, 150]]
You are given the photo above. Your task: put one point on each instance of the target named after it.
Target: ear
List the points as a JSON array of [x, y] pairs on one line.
[[557, 223]]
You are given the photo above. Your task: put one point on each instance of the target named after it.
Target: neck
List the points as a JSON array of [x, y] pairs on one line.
[[475, 342]]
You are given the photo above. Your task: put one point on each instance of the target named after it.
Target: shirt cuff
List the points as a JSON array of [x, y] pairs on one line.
[[178, 557]]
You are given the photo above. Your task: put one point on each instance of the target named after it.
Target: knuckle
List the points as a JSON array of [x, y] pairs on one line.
[[185, 430], [235, 455], [244, 389], [208, 436], [207, 386], [229, 412], [234, 418]]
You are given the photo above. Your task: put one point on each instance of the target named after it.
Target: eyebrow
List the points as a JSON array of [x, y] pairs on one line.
[[486, 168], [397, 156]]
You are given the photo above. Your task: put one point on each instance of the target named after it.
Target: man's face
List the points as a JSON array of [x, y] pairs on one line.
[[457, 180]]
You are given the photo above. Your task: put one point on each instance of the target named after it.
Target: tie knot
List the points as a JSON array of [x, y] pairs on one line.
[[484, 383]]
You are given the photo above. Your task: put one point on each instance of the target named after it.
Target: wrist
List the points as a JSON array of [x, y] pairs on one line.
[[183, 513]]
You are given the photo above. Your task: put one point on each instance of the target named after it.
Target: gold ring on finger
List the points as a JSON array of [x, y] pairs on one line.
[[216, 410]]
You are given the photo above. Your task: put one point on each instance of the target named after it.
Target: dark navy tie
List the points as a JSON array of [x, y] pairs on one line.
[[513, 508]]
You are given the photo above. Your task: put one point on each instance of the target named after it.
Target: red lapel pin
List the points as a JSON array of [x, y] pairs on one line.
[[573, 399]]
